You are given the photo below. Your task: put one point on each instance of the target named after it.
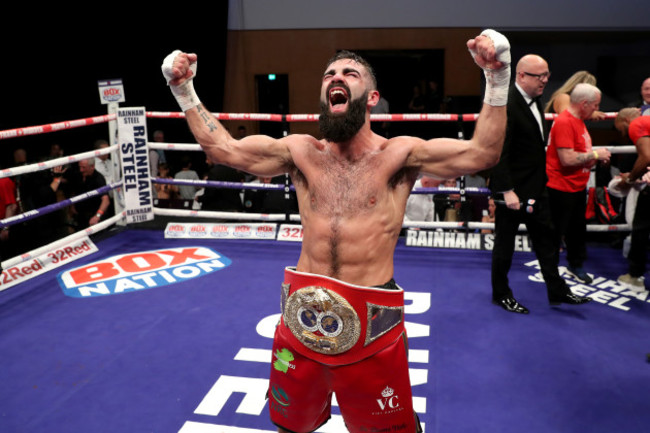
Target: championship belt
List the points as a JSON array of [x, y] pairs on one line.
[[337, 323]]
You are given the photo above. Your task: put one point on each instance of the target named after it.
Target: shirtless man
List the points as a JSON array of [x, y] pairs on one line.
[[342, 324]]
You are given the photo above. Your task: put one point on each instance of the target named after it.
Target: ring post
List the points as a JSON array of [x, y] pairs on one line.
[[111, 93]]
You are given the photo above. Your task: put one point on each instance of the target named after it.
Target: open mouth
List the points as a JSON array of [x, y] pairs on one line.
[[338, 98]]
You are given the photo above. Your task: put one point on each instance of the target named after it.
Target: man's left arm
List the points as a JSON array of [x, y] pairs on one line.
[[447, 158]]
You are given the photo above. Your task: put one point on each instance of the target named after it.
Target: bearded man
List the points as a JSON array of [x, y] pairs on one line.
[[342, 312]]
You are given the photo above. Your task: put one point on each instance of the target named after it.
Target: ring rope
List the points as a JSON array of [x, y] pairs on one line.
[[70, 124], [224, 215], [31, 214], [39, 166], [279, 187], [54, 127], [220, 184], [197, 147], [472, 117], [477, 225], [296, 217]]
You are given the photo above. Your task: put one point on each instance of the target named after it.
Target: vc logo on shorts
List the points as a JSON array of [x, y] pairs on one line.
[[389, 402], [283, 362], [142, 270]]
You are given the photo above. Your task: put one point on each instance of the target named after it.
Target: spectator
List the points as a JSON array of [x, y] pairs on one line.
[[90, 211], [222, 199], [22, 181], [474, 205], [108, 168], [8, 208], [50, 226], [433, 98], [241, 132], [417, 102], [154, 161], [420, 207], [381, 127], [569, 159], [447, 205], [489, 215], [165, 193], [270, 200], [644, 102], [56, 151], [560, 99], [187, 192], [103, 163], [159, 137]]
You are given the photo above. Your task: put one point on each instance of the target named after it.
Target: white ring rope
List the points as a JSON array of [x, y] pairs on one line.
[[241, 216], [38, 166]]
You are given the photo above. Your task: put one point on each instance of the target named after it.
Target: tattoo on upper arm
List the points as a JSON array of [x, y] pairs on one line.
[[207, 118]]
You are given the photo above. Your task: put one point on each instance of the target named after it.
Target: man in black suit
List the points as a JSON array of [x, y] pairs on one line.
[[520, 179]]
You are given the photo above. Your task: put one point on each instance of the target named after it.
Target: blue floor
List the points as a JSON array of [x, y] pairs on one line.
[[187, 350]]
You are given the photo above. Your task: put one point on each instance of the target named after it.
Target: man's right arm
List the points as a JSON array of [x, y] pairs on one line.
[[260, 155], [256, 154]]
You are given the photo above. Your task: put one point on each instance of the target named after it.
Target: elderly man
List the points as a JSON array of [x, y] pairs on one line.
[[569, 159], [90, 211]]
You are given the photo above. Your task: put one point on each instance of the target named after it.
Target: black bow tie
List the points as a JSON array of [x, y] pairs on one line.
[[534, 101]]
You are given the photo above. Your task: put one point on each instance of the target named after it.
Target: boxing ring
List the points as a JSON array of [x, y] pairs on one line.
[[124, 327]]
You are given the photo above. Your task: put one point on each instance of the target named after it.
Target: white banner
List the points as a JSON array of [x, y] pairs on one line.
[[136, 174], [290, 233], [221, 231], [46, 262], [460, 240]]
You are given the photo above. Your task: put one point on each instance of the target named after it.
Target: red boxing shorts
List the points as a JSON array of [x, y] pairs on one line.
[[342, 338]]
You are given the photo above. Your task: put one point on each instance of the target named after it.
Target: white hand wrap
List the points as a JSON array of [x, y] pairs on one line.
[[184, 93], [497, 80]]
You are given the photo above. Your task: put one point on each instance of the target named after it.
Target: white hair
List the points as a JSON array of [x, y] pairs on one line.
[[584, 92]]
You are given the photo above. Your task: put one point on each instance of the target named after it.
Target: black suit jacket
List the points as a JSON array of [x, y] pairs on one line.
[[522, 165]]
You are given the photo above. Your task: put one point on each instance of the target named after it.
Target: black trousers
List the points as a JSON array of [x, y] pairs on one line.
[[544, 242], [568, 214], [637, 257]]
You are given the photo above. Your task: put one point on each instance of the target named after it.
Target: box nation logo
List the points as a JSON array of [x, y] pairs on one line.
[[142, 270]]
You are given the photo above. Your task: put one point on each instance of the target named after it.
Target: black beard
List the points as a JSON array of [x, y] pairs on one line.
[[342, 127]]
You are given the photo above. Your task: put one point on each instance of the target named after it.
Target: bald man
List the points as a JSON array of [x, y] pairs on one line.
[[520, 176]]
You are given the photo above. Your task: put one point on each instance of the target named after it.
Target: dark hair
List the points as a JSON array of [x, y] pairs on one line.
[[349, 55]]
